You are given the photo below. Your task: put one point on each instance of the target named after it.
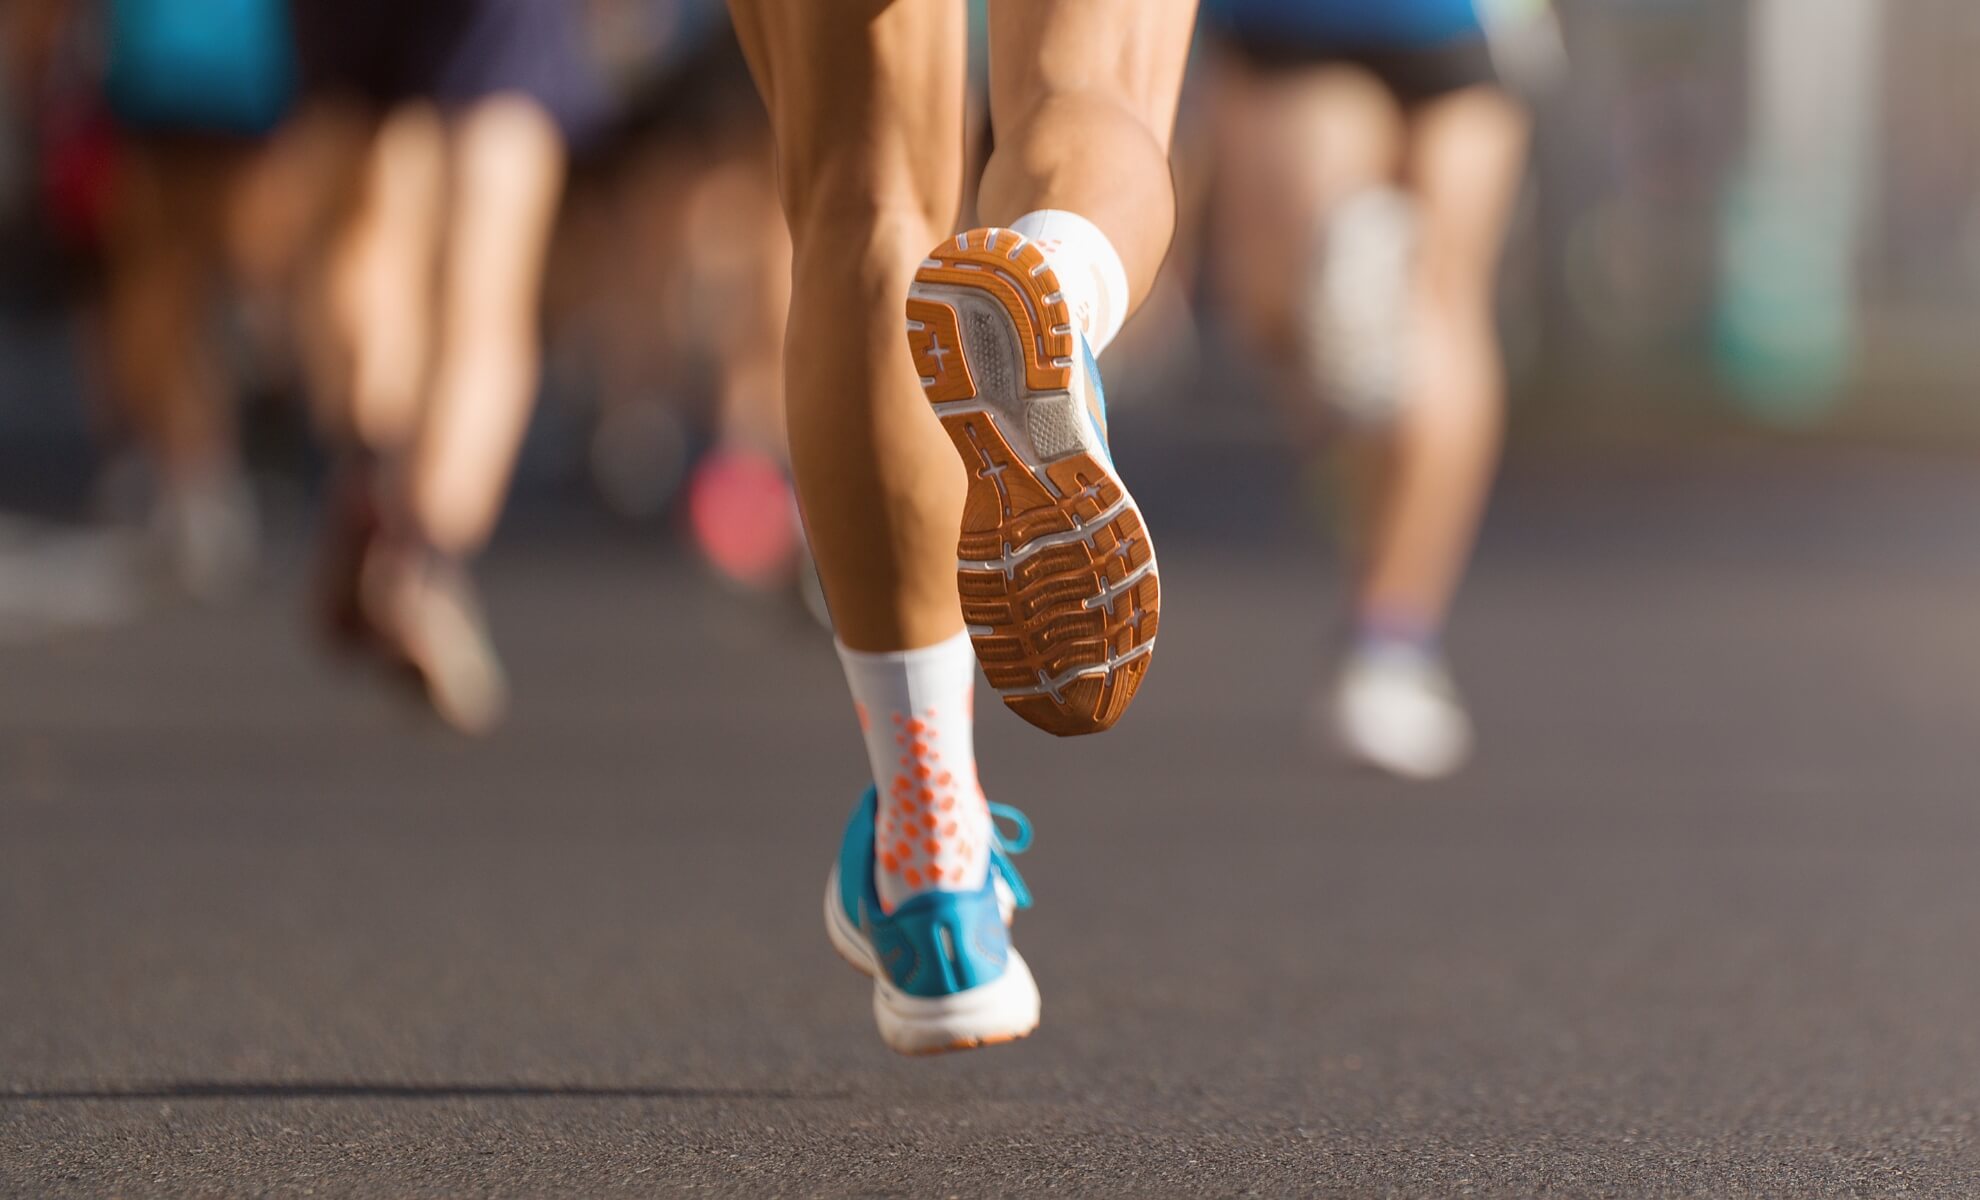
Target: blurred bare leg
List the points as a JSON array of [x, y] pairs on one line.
[[1409, 212], [617, 278], [431, 292], [740, 255], [162, 264], [1466, 158], [166, 262], [865, 104], [379, 284], [504, 173], [287, 189], [1290, 145]]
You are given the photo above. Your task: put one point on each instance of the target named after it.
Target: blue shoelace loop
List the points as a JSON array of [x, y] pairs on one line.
[[1002, 848]]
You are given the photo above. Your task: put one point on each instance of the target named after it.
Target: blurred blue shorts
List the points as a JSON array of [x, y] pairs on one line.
[[1421, 49], [1363, 24], [216, 66]]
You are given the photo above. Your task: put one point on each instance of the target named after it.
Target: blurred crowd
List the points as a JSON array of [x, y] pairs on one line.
[[231, 226], [233, 229]]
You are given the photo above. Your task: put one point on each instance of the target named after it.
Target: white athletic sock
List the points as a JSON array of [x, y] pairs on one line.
[[1089, 270], [917, 710]]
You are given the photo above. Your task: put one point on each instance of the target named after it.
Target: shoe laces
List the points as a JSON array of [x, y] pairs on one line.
[[1002, 847]]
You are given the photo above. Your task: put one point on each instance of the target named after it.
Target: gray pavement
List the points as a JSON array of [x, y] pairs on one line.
[[1703, 919]]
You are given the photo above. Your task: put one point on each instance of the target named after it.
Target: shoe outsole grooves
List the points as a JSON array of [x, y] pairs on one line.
[[1054, 567]]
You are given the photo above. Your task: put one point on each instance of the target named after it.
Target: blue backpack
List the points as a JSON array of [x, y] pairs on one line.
[[221, 66]]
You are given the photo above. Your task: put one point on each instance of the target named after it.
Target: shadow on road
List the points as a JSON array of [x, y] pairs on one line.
[[361, 1090]]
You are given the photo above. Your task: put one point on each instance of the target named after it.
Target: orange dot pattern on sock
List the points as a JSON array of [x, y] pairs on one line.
[[918, 848]]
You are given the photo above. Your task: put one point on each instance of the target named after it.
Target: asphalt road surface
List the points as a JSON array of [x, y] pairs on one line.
[[1704, 918]]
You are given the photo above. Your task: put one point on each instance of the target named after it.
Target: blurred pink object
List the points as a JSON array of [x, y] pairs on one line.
[[744, 517]]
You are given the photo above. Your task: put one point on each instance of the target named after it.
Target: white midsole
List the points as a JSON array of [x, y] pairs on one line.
[[1004, 1008], [1010, 408]]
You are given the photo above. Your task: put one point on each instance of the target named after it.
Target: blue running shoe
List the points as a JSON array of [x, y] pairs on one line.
[[945, 975]]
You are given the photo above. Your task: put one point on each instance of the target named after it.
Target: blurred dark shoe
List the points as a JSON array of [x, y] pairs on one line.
[[350, 526]]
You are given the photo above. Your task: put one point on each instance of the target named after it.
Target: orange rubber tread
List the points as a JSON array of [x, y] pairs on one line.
[[1038, 617]]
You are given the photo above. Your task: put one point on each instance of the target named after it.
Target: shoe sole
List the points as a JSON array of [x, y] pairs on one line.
[[1356, 319], [1054, 566], [1002, 1011]]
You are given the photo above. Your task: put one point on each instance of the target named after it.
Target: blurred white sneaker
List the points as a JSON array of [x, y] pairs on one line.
[[1357, 314], [1394, 707]]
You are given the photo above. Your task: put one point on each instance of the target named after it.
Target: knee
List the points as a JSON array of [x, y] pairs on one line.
[[860, 208], [866, 245]]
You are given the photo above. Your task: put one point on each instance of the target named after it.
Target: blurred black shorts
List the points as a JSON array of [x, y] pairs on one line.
[[1415, 74], [452, 52]]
